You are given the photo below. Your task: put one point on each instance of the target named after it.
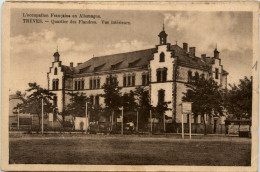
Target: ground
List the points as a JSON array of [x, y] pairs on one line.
[[130, 150]]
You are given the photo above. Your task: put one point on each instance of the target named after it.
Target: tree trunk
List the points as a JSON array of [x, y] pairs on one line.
[[205, 124], [39, 117], [112, 121]]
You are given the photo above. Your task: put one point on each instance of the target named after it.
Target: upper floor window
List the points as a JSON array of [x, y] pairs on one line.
[[133, 80], [189, 76], [124, 81], [145, 79], [203, 76], [79, 85], [162, 57], [55, 101], [94, 83], [90, 84], [97, 100], [129, 80], [161, 96], [55, 84], [55, 71], [91, 100], [216, 73], [162, 75], [111, 79], [196, 76]]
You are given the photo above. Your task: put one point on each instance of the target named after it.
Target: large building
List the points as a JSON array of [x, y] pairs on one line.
[[163, 70]]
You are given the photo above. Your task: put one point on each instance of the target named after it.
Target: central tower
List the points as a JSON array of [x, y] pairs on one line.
[[163, 37]]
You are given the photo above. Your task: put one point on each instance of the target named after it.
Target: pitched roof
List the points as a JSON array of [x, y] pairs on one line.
[[67, 69], [136, 59]]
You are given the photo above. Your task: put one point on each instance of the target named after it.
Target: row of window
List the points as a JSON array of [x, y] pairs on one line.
[[94, 100], [94, 83], [161, 75], [79, 85], [127, 81], [196, 77]]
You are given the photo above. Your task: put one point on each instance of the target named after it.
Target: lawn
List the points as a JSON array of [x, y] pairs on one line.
[[130, 150]]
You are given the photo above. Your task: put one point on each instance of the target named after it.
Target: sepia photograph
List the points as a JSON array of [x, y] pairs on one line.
[[117, 85]]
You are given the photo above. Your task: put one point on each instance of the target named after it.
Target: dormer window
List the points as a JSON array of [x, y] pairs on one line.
[[162, 57], [55, 71]]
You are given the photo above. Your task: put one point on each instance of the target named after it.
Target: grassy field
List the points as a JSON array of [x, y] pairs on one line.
[[130, 150]]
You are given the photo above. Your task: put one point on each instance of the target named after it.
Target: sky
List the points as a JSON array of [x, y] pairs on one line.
[[33, 45]]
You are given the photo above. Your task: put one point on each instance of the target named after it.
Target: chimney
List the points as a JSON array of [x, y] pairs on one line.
[[185, 47], [192, 51], [71, 64], [79, 64], [203, 57]]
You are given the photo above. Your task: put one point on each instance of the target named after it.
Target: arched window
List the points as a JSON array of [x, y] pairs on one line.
[[162, 56], [55, 71]]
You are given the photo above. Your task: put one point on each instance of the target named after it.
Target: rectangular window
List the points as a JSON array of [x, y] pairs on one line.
[[161, 95], [55, 101], [114, 80], [216, 73], [82, 85], [53, 85], [90, 84], [97, 100], [124, 81], [189, 76], [133, 80], [95, 83], [76, 85], [98, 83], [79, 83], [147, 79], [129, 81], [57, 84], [164, 75], [91, 100], [159, 75], [143, 79]]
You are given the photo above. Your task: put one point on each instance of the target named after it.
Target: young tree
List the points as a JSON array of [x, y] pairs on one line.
[[32, 104], [159, 112], [239, 98], [143, 104], [206, 97], [77, 105], [112, 97], [129, 101]]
